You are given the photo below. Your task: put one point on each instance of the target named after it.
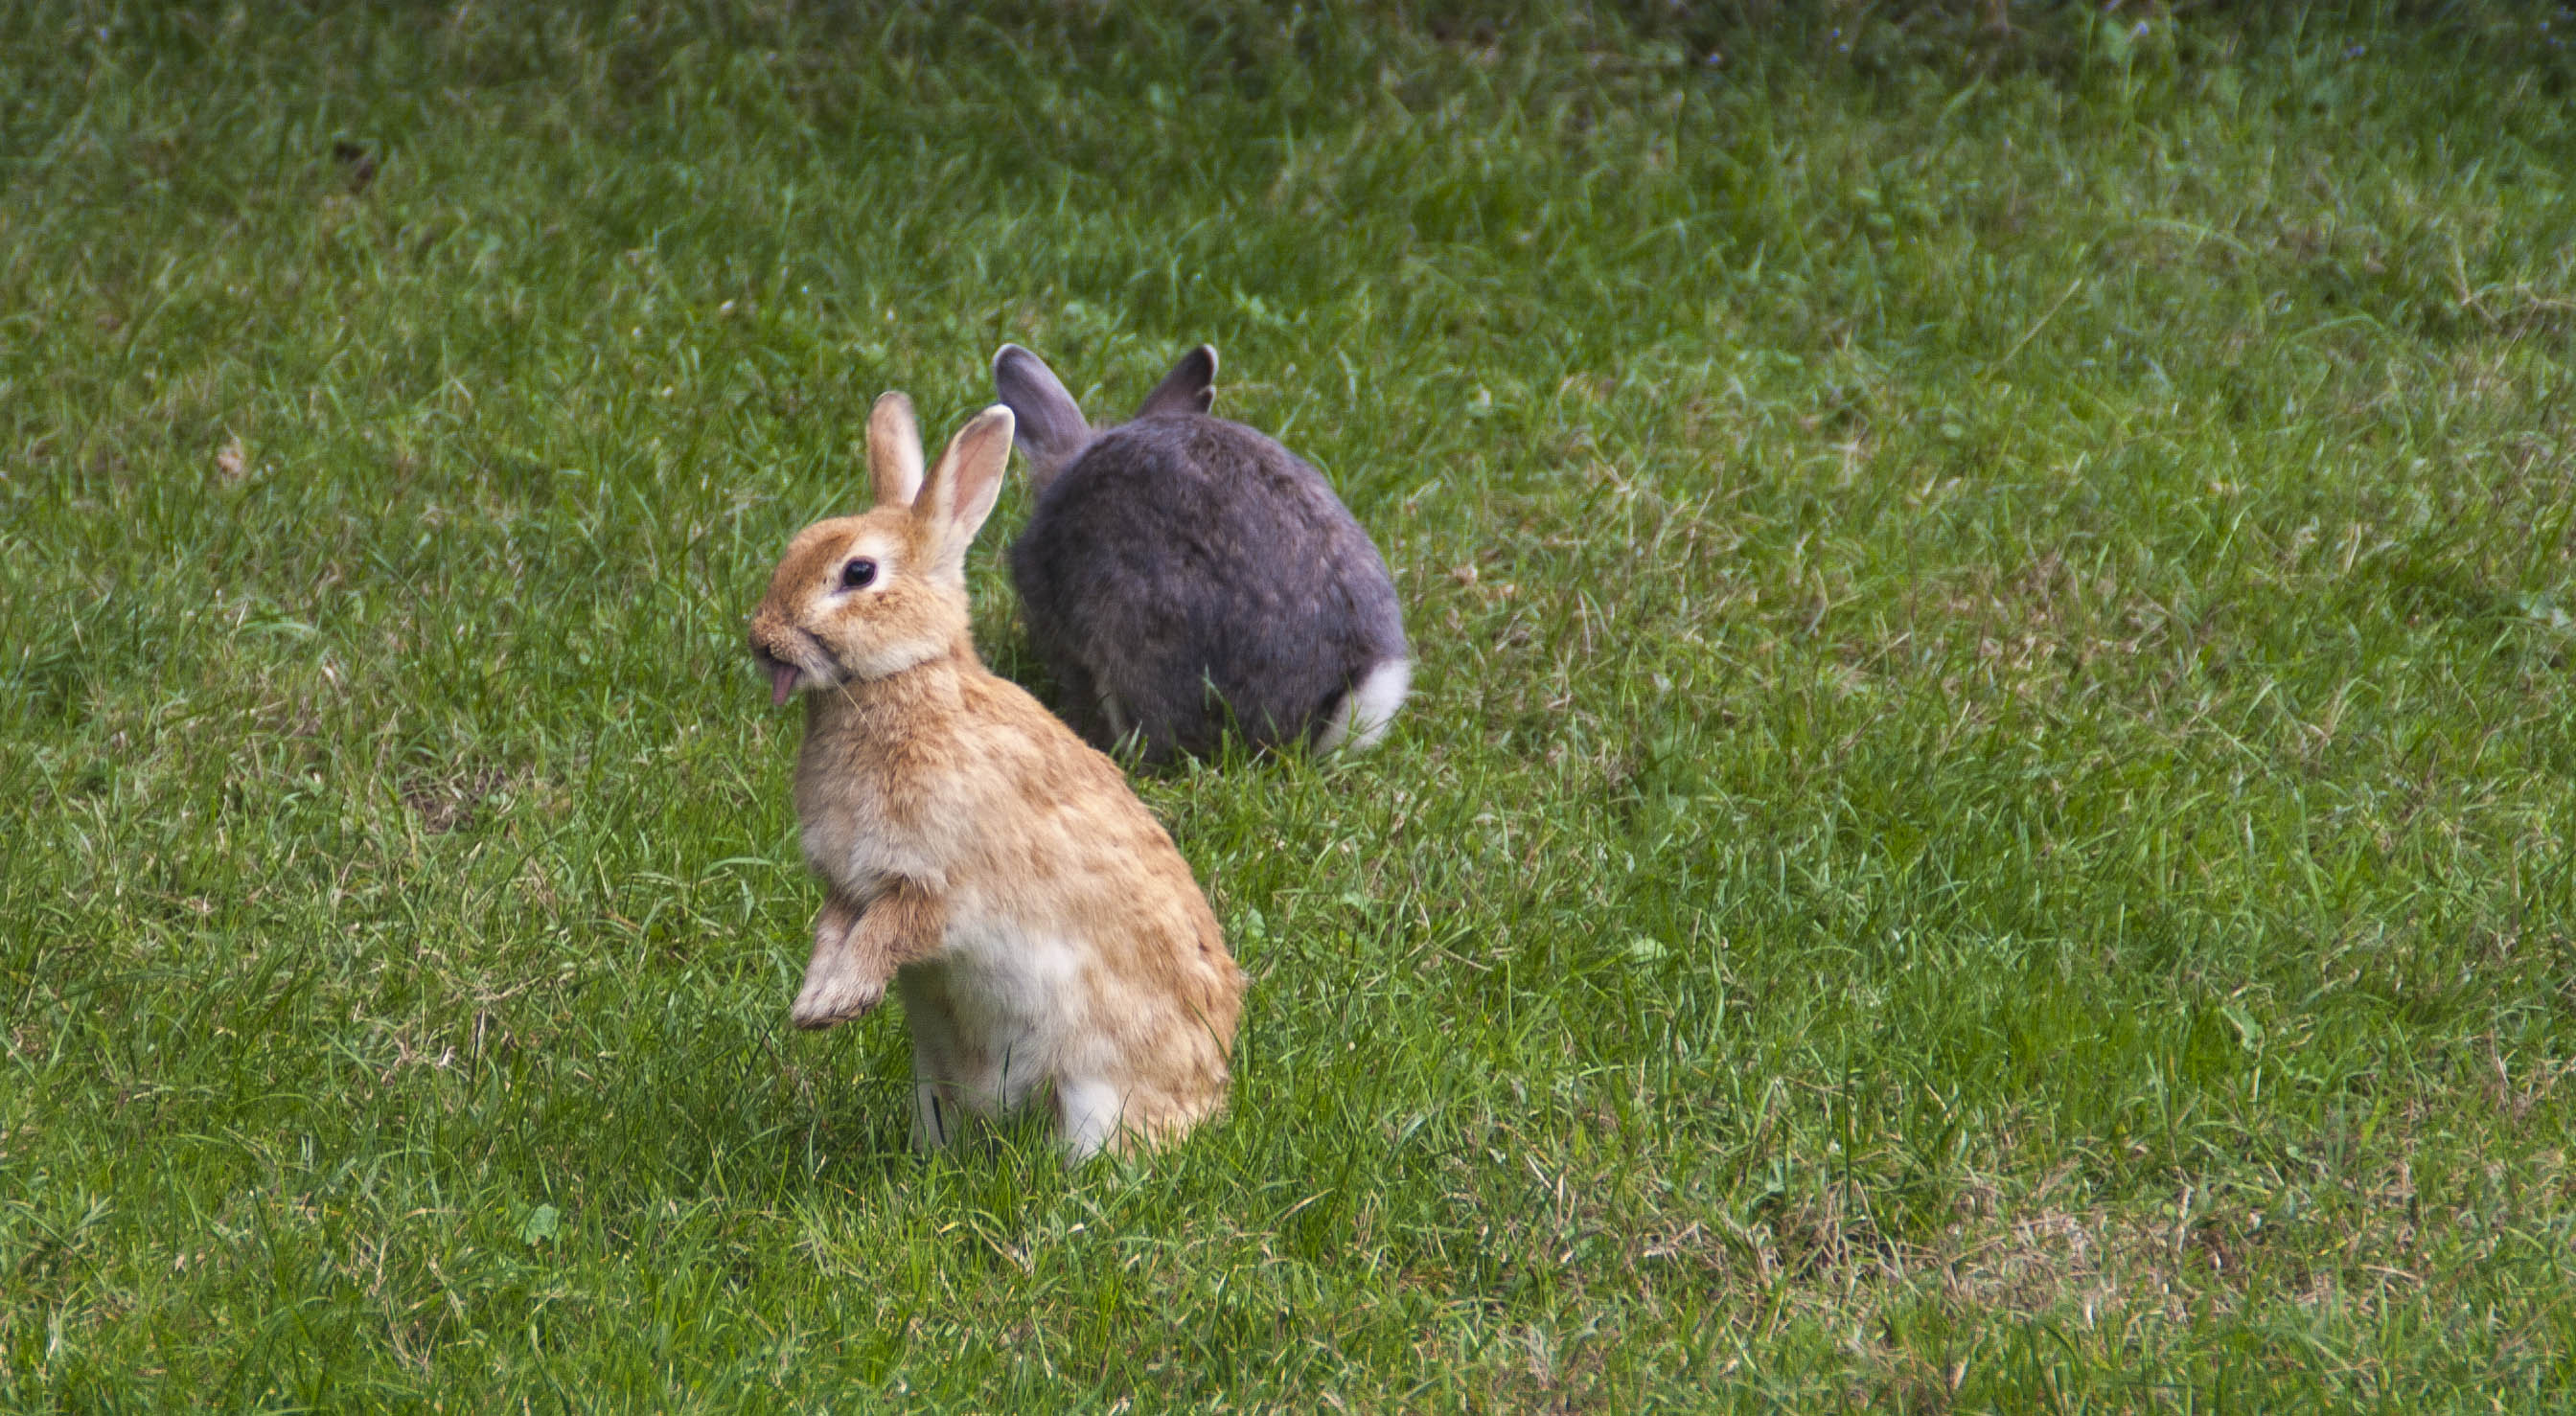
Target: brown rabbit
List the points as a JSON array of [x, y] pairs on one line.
[[1046, 937]]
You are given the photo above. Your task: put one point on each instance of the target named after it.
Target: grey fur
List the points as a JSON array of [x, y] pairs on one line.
[[1189, 388], [1052, 431], [1182, 573]]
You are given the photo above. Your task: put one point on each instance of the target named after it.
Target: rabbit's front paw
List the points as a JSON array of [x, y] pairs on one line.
[[835, 992]]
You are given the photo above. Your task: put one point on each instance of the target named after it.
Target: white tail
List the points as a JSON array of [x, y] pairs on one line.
[[1362, 716]]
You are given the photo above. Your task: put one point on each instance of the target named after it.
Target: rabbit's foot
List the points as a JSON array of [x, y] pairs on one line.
[[835, 995], [839, 985], [856, 951]]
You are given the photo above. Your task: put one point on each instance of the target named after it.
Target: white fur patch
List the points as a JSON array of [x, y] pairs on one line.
[[1088, 1112], [1014, 1008], [1364, 713]]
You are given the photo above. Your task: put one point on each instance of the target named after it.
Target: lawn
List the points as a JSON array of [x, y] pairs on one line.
[[1986, 822]]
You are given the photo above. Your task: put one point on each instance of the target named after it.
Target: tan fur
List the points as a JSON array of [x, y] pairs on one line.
[[1047, 938]]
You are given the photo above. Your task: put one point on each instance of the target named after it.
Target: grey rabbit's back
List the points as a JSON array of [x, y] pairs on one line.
[[1182, 570]]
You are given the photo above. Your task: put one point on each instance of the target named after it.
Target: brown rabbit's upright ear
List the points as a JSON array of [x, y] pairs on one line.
[[960, 491], [894, 451], [1189, 388]]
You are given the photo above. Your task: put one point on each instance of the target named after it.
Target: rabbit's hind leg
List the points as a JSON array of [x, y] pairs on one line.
[[939, 1109]]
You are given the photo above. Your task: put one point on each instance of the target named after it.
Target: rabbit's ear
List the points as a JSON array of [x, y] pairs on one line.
[[959, 492], [1051, 425], [894, 451], [1188, 388]]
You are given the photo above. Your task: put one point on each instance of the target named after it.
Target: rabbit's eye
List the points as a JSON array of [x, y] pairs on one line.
[[858, 574]]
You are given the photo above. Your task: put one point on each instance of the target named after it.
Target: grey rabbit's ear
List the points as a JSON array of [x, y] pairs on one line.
[[1188, 388], [1051, 426]]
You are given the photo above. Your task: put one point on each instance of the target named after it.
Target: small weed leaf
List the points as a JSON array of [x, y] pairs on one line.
[[2249, 1033], [2542, 609], [540, 1225]]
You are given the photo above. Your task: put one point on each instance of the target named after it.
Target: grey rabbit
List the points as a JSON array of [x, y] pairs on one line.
[[1181, 573]]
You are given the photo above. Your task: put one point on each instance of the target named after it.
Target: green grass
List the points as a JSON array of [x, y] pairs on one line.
[[1986, 822]]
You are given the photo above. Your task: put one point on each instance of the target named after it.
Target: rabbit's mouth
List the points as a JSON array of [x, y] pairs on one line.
[[785, 675], [782, 678]]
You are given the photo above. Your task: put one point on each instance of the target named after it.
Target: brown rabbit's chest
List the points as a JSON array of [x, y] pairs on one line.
[[854, 841]]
